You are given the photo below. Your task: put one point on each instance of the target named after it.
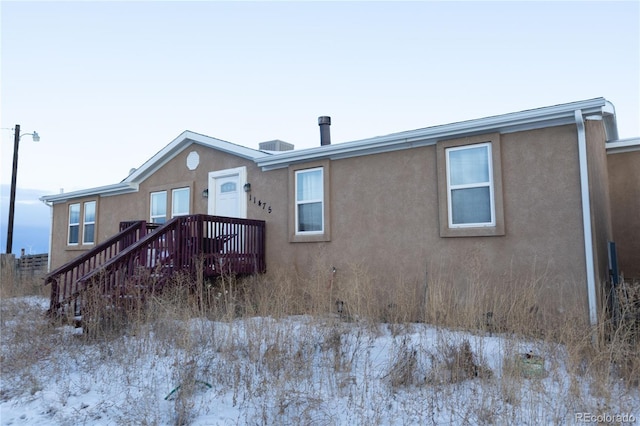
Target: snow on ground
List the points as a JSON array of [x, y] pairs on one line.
[[297, 370]]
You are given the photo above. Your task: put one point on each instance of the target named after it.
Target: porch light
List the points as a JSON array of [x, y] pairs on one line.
[[205, 193], [247, 187]]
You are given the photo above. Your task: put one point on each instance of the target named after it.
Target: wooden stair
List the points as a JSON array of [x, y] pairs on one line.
[[142, 258]]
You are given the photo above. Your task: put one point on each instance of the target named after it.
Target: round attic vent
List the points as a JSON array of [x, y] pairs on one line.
[[193, 159]]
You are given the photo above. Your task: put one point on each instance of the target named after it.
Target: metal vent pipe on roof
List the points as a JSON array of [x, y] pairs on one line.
[[325, 135]]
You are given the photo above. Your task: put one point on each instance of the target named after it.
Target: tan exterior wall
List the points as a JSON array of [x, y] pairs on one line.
[[383, 213], [600, 203], [624, 187], [384, 219], [61, 252], [111, 210]]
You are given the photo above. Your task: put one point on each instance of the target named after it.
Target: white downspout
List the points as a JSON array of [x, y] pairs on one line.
[[586, 218]]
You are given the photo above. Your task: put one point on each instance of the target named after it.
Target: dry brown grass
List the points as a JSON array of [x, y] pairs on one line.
[[352, 295], [14, 284], [193, 327]]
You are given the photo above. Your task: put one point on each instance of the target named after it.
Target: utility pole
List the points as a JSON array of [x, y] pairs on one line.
[[12, 199]]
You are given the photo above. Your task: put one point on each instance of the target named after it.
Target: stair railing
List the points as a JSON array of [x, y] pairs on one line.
[[225, 246], [64, 279]]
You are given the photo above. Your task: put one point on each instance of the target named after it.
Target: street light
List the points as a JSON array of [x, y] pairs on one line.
[[14, 175]]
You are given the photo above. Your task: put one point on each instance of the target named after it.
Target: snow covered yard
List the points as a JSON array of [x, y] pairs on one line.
[[311, 370]]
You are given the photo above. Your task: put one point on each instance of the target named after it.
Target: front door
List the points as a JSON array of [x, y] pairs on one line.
[[226, 193], [226, 202], [227, 198]]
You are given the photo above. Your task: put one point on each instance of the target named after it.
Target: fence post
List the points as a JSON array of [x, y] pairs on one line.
[[8, 269]]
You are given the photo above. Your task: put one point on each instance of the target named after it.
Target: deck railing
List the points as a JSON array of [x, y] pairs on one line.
[[64, 280], [211, 245]]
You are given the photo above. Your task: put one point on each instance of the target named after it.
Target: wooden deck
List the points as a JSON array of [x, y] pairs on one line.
[[146, 256]]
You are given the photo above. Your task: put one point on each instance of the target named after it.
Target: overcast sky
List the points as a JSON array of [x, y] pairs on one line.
[[108, 84]]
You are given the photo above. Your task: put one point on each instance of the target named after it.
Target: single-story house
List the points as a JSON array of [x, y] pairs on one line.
[[530, 195]]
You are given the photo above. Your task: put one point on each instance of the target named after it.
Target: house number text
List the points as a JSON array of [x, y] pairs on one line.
[[260, 203]]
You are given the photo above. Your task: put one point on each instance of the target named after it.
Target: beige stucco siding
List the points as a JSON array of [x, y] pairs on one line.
[[624, 180], [384, 219], [599, 205], [61, 252], [111, 210], [383, 211]]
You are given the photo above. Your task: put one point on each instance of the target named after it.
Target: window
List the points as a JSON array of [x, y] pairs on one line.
[[309, 201], [228, 187], [309, 205], [470, 186], [158, 207], [180, 202], [88, 233], [74, 224]]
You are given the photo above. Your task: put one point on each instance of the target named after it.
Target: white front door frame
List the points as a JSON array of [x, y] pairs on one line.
[[241, 172]]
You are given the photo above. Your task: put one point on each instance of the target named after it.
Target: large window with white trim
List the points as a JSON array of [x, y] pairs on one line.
[[309, 193], [180, 200], [89, 223], [158, 203], [470, 186], [74, 224]]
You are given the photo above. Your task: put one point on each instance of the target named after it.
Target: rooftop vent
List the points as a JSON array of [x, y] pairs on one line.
[[325, 135], [275, 145]]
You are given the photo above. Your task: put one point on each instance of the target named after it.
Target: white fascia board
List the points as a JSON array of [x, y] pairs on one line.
[[508, 123], [162, 157], [183, 141], [102, 191], [623, 145], [228, 147]]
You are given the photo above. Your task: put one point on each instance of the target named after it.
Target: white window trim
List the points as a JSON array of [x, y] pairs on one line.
[[85, 223], [173, 205], [320, 200], [151, 216], [489, 183], [70, 224]]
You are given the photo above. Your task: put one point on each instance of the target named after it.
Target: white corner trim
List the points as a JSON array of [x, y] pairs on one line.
[[586, 218]]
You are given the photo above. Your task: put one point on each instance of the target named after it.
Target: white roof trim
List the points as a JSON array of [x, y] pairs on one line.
[[623, 145], [508, 123], [103, 191], [131, 182], [182, 142]]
